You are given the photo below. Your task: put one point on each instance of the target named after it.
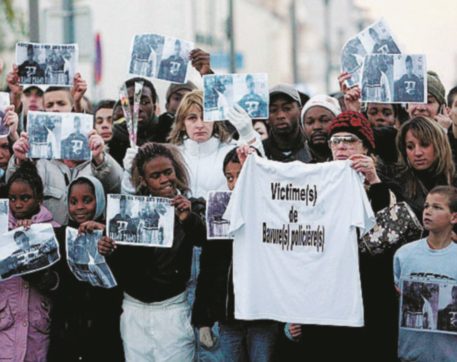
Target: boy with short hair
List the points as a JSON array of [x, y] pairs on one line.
[[431, 259]]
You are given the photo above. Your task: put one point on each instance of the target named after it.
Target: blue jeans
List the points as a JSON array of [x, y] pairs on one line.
[[203, 354], [255, 340]]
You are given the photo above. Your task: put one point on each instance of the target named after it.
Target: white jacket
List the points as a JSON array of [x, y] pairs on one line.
[[204, 162]]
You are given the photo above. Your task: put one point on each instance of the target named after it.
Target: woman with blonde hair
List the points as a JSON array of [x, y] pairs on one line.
[[205, 144], [425, 160]]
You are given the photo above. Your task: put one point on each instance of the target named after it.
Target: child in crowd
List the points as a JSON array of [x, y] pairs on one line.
[[25, 301], [432, 259], [155, 323], [215, 299], [85, 323]]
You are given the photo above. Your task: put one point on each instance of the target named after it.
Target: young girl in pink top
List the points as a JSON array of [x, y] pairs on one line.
[[24, 301]]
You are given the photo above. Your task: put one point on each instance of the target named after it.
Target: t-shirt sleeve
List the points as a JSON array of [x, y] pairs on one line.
[[362, 215]]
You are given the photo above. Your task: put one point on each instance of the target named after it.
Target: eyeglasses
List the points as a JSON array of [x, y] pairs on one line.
[[349, 140]]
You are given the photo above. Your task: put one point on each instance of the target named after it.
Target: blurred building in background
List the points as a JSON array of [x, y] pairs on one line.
[[294, 41]]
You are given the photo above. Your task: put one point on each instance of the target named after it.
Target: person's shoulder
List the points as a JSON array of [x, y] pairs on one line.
[[407, 249]]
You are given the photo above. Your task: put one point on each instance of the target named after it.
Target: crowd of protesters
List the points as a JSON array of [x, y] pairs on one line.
[[177, 304]]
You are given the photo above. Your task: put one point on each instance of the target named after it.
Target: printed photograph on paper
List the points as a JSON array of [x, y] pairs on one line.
[[140, 220], [4, 102], [84, 260], [59, 135], [4, 209], [377, 78], [162, 57], [145, 55], [221, 92], [49, 64], [26, 251], [410, 78], [428, 306], [375, 39], [394, 78], [216, 226], [447, 308]]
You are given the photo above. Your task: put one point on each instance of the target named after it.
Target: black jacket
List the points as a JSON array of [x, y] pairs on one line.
[[84, 319], [214, 300], [154, 130], [152, 274], [297, 150]]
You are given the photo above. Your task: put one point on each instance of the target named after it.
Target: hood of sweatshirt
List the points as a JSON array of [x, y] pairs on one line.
[[99, 195]]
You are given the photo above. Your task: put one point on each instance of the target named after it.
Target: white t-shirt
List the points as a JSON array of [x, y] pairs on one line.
[[295, 254]]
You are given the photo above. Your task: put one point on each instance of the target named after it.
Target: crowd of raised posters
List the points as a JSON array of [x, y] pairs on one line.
[[294, 226]]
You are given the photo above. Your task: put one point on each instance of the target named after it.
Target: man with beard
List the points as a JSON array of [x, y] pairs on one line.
[[286, 141], [317, 114]]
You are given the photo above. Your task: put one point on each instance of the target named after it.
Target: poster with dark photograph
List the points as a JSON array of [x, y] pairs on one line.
[[4, 102], [217, 228], [49, 64], [428, 306], [61, 136], [84, 260], [4, 209], [410, 78], [377, 78], [375, 39], [162, 57], [26, 251], [140, 220], [394, 78], [223, 91]]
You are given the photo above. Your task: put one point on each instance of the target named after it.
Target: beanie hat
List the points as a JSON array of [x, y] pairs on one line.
[[324, 101], [175, 87], [355, 123], [435, 87]]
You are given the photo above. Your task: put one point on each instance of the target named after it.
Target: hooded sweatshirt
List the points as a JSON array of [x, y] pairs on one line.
[[79, 321]]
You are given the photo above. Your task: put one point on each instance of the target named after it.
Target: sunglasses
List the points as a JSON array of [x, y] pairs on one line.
[[346, 140]]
